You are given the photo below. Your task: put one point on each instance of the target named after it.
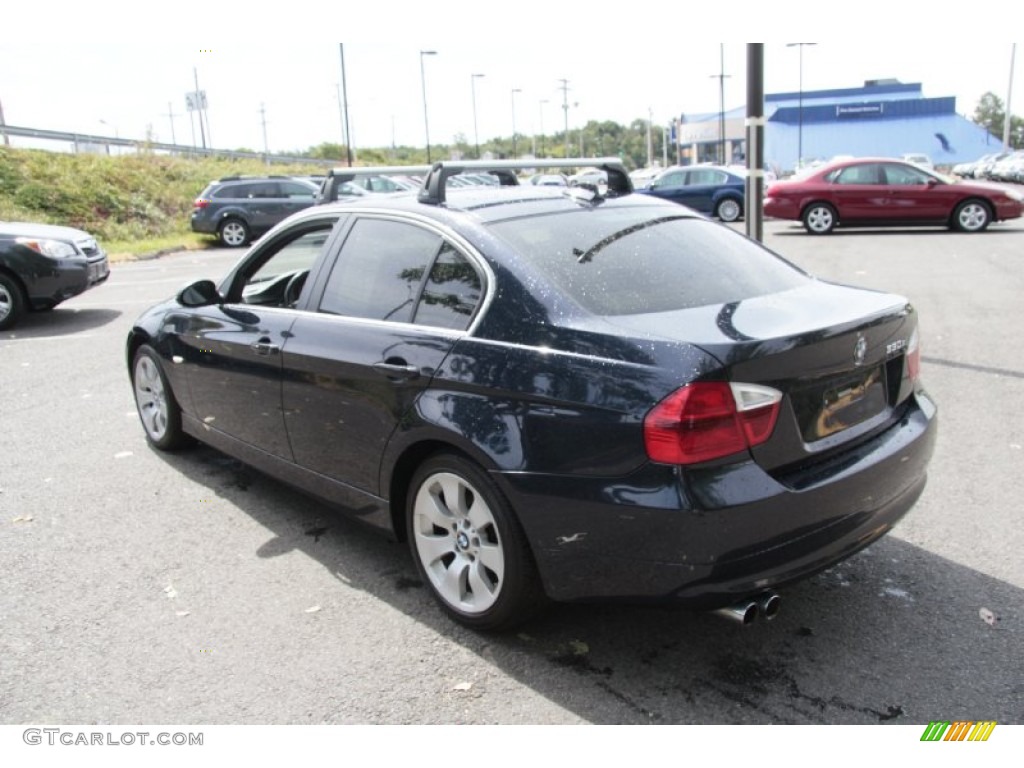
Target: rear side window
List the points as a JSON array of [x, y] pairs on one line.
[[451, 293], [638, 260]]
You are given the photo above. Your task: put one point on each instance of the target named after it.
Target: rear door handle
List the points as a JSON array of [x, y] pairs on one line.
[[397, 371]]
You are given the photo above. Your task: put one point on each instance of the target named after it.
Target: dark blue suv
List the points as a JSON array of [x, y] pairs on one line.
[[237, 208]]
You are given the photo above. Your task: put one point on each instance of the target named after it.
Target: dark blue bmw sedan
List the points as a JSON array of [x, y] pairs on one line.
[[707, 189], [553, 393]]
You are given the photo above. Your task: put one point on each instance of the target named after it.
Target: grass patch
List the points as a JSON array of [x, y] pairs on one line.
[[130, 250]]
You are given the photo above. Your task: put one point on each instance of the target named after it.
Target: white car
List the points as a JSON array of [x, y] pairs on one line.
[[921, 161]]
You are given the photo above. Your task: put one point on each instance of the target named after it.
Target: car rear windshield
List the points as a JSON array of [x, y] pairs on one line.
[[638, 260]]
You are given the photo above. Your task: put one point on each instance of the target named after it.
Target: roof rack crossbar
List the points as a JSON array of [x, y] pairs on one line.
[[433, 191]]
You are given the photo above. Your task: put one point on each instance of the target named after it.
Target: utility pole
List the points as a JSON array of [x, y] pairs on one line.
[[650, 152], [565, 110], [199, 106], [170, 114], [1006, 120], [7, 140], [266, 148]]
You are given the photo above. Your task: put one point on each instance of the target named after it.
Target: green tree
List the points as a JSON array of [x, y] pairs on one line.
[[991, 115]]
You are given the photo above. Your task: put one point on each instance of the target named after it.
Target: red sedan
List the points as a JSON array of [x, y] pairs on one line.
[[882, 192]]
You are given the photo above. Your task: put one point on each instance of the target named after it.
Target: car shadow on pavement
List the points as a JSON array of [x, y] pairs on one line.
[[797, 230], [894, 635], [60, 321]]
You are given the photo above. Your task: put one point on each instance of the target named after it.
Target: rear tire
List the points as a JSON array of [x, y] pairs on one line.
[[820, 218], [728, 210], [233, 233], [12, 302], [468, 546]]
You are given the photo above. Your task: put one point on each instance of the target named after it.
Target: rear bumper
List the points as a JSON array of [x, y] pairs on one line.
[[711, 536]]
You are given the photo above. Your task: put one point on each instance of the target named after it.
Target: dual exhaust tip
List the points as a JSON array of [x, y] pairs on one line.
[[765, 605]]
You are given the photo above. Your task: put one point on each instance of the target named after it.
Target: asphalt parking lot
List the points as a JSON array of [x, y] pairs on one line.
[[149, 588]]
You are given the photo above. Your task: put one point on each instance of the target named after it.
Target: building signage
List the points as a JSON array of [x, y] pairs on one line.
[[859, 110]]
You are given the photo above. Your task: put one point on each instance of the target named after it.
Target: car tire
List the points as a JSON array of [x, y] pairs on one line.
[[468, 546], [154, 400], [972, 216], [12, 302], [820, 218], [729, 209], [233, 233]]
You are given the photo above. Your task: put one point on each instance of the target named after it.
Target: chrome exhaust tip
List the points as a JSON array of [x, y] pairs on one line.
[[743, 612], [768, 604]]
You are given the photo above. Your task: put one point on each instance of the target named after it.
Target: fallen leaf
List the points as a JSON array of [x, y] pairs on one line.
[[170, 591], [988, 617], [462, 687], [182, 613], [313, 609], [579, 648], [23, 519]]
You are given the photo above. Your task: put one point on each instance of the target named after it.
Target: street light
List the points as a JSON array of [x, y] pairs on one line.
[[542, 103], [800, 109], [514, 92], [116, 135], [721, 103], [476, 133], [423, 81]]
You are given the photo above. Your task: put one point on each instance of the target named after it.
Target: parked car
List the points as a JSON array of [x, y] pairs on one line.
[[705, 188], [590, 176], [922, 161], [549, 180], [42, 265], [1010, 168], [642, 177], [885, 192], [238, 208], [553, 393], [984, 166]]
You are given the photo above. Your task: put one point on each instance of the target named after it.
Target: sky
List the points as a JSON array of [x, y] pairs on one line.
[[621, 63]]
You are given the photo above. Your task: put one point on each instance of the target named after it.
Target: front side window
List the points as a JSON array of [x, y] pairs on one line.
[[380, 270], [861, 174], [276, 276], [901, 175]]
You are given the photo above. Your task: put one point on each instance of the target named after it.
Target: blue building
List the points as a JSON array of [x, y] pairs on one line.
[[884, 118]]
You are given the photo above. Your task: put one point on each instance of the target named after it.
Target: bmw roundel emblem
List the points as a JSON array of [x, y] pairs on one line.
[[860, 350]]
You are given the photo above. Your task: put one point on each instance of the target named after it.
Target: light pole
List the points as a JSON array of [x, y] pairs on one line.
[[116, 135], [514, 92], [423, 81], [542, 103], [476, 133], [800, 108], [721, 104]]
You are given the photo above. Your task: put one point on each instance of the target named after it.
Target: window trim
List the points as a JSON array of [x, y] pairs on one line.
[[457, 241]]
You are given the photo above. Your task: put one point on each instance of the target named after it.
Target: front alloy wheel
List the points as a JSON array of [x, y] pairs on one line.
[[468, 546], [158, 410], [971, 216]]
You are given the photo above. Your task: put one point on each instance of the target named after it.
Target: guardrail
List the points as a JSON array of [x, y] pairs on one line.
[[77, 140]]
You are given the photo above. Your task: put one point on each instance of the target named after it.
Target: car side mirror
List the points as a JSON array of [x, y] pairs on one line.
[[932, 181], [202, 293]]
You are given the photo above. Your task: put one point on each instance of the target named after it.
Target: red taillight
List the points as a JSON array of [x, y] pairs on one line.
[[200, 202], [914, 357], [708, 420]]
